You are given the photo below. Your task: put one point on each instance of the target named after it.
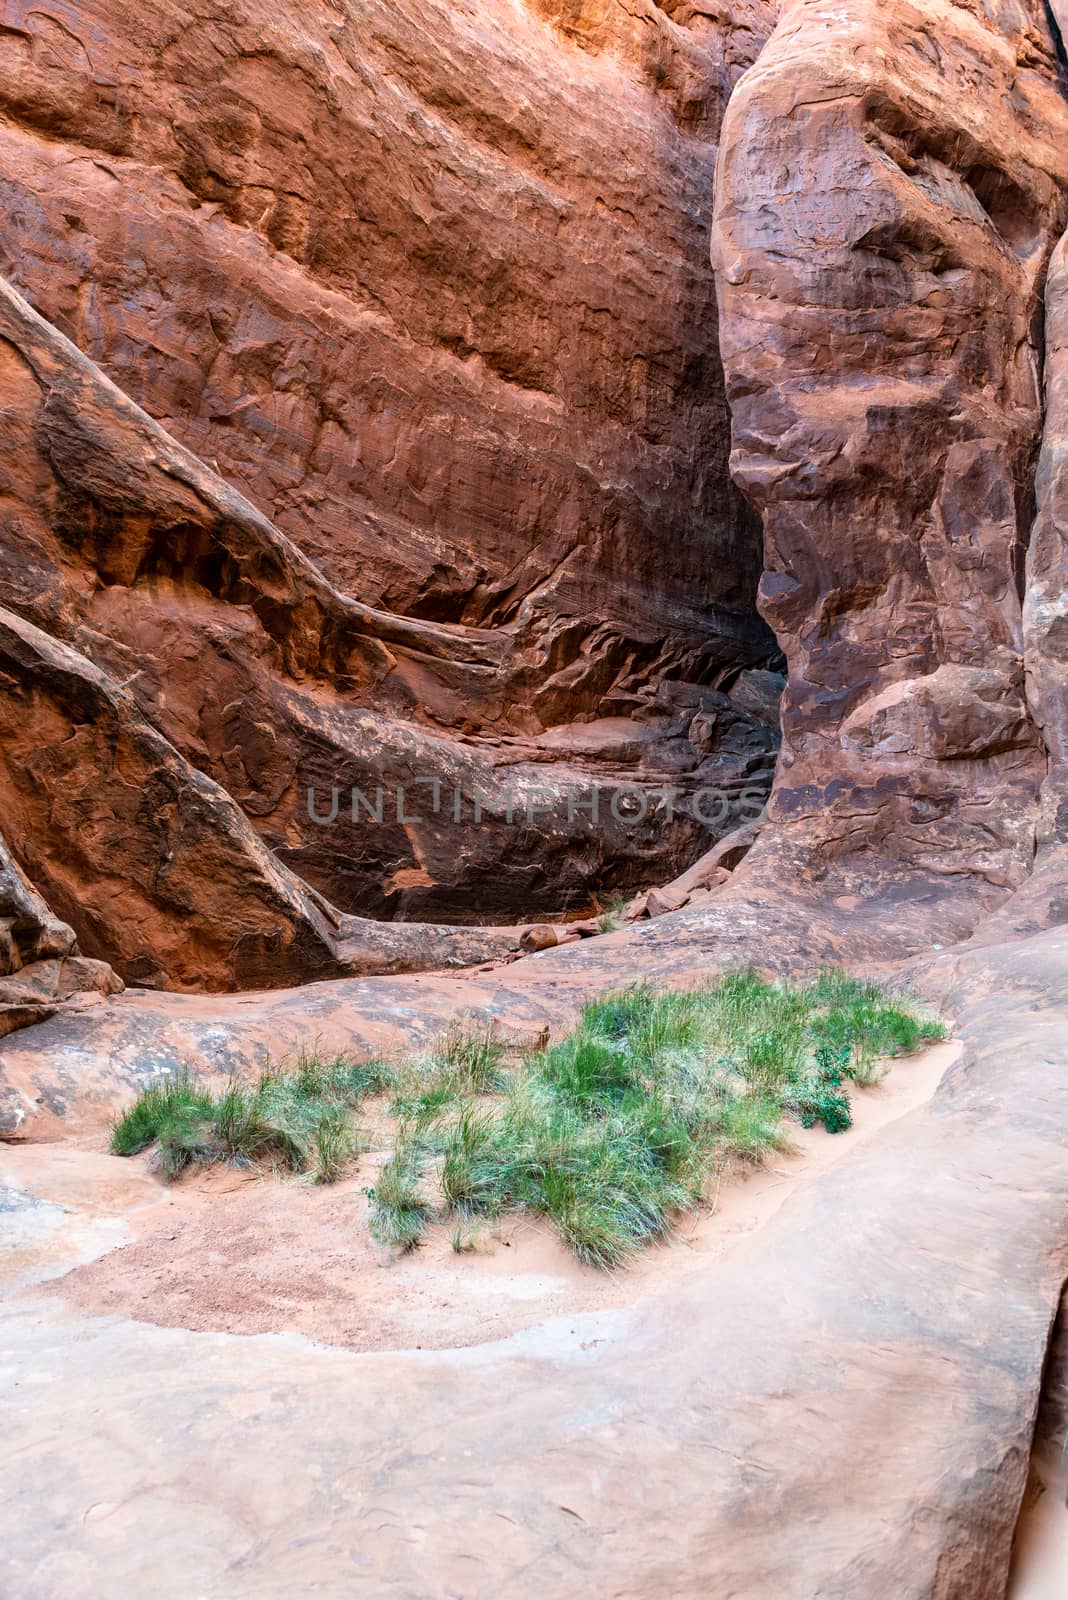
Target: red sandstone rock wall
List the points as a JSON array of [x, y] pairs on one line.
[[891, 182], [1046, 604], [1045, 612], [175, 676], [428, 282], [430, 285]]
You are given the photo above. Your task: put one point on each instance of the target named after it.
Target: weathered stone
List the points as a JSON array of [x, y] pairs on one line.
[[760, 693], [427, 282], [36, 992], [29, 931], [891, 181], [158, 867], [658, 902], [280, 688], [1046, 599], [879, 1347], [542, 936]]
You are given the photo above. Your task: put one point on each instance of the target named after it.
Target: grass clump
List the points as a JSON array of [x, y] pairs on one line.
[[156, 1109], [610, 917], [399, 1213], [864, 1025], [609, 1133], [615, 1129], [465, 1060], [751, 1127], [298, 1119], [470, 1168], [464, 1240]]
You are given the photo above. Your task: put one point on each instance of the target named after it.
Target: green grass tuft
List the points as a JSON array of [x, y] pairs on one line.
[[609, 1133], [470, 1169], [298, 1119], [751, 1127], [613, 1130], [163, 1106], [610, 918], [464, 1240], [399, 1213], [333, 1147], [465, 1060]]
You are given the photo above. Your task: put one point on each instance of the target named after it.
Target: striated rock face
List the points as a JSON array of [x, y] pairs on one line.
[[1045, 612], [209, 677], [428, 282], [429, 286], [28, 930], [435, 506], [891, 182]]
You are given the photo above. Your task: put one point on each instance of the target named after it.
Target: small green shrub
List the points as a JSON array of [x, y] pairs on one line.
[[820, 1095]]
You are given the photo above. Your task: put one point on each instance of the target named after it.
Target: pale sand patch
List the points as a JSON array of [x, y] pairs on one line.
[[243, 1252]]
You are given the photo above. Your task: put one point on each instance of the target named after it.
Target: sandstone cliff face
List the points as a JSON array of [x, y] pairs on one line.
[[38, 964], [428, 282], [429, 285], [1045, 613], [891, 183], [187, 605]]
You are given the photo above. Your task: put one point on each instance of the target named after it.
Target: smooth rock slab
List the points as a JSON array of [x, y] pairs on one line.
[[843, 1409]]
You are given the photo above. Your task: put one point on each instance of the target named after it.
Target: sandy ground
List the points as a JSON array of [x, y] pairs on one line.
[[245, 1252]]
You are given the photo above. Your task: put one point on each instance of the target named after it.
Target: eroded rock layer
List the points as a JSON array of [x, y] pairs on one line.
[[429, 286], [291, 698], [1046, 601], [386, 271], [427, 281]]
